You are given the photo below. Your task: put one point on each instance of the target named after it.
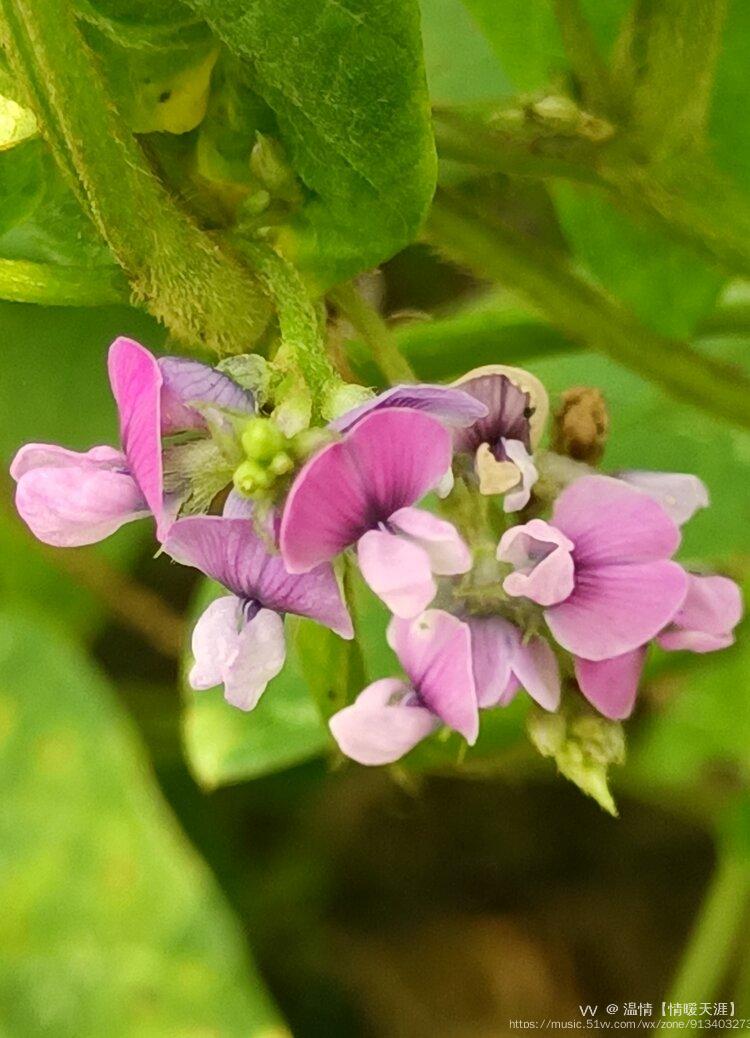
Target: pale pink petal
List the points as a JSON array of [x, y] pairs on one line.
[[451, 406], [232, 553], [615, 609], [679, 493], [519, 496], [49, 455], [389, 460], [237, 506], [136, 385], [69, 505], [189, 382], [543, 562], [493, 645], [708, 616], [397, 571], [435, 651], [261, 650], [381, 725], [611, 522], [445, 548], [215, 642], [611, 685], [536, 668]]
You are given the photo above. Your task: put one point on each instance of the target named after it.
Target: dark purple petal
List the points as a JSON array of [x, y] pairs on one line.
[[230, 552], [507, 407], [389, 460], [451, 406], [188, 381]]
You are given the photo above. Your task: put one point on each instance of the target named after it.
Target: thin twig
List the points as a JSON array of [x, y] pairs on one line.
[[375, 332]]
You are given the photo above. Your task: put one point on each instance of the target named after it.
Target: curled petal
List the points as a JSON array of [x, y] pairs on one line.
[[186, 382], [69, 499], [543, 562], [707, 618], [680, 494], [261, 651], [615, 609], [382, 724], [397, 571], [232, 553], [390, 459], [611, 522], [519, 498], [136, 385], [517, 407], [611, 685], [435, 651], [440, 539], [450, 406], [214, 642], [493, 645]]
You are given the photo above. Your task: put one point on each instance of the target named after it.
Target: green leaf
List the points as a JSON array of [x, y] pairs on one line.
[[731, 96], [460, 63], [346, 83], [111, 925], [226, 745], [16, 123], [21, 184], [56, 390], [663, 283]]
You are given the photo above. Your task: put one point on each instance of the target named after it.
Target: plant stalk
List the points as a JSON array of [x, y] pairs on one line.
[[375, 332]]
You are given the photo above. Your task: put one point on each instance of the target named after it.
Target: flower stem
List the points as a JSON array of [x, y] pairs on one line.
[[376, 333], [177, 271], [485, 245], [719, 923], [583, 53]]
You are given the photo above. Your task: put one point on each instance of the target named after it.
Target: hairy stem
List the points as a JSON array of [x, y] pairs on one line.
[[178, 272], [375, 332], [485, 245]]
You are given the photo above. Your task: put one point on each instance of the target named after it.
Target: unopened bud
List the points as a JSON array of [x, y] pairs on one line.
[[343, 397], [269, 164], [581, 424], [281, 464], [262, 439], [249, 478]]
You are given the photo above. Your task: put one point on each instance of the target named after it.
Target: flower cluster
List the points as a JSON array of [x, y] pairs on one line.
[[504, 566]]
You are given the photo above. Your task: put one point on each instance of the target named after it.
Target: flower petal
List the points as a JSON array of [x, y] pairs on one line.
[[261, 651], [679, 493], [510, 394], [611, 522], [441, 541], [493, 644], [188, 381], [215, 642], [68, 499], [708, 616], [541, 555], [615, 609], [379, 728], [435, 651], [389, 460], [535, 666], [237, 506], [612, 685], [519, 497], [136, 385], [231, 552], [397, 571], [451, 406]]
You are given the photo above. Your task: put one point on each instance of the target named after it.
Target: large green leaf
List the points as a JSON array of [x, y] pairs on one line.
[[56, 390], [110, 923], [226, 745], [346, 82]]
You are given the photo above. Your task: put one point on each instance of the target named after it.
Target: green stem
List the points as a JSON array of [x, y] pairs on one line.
[[179, 273], [53, 285], [719, 923], [583, 54], [300, 327], [581, 311], [375, 333]]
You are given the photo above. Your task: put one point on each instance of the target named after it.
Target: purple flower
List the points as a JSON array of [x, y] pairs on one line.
[[69, 498], [452, 406], [706, 619], [602, 571], [503, 441], [239, 640], [392, 715], [679, 493], [504, 661], [359, 491]]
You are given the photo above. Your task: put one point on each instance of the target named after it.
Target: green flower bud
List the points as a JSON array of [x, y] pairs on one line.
[[281, 464], [342, 397], [262, 439], [250, 478], [269, 164]]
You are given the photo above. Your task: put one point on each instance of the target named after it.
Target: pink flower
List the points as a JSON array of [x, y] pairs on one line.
[[601, 568], [359, 491], [451, 406], [69, 498], [504, 662], [392, 715], [239, 640], [706, 619]]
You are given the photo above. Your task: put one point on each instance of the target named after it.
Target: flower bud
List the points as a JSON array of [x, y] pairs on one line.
[[262, 439], [249, 478], [343, 397]]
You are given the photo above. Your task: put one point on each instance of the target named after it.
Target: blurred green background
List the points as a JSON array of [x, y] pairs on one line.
[[171, 868]]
